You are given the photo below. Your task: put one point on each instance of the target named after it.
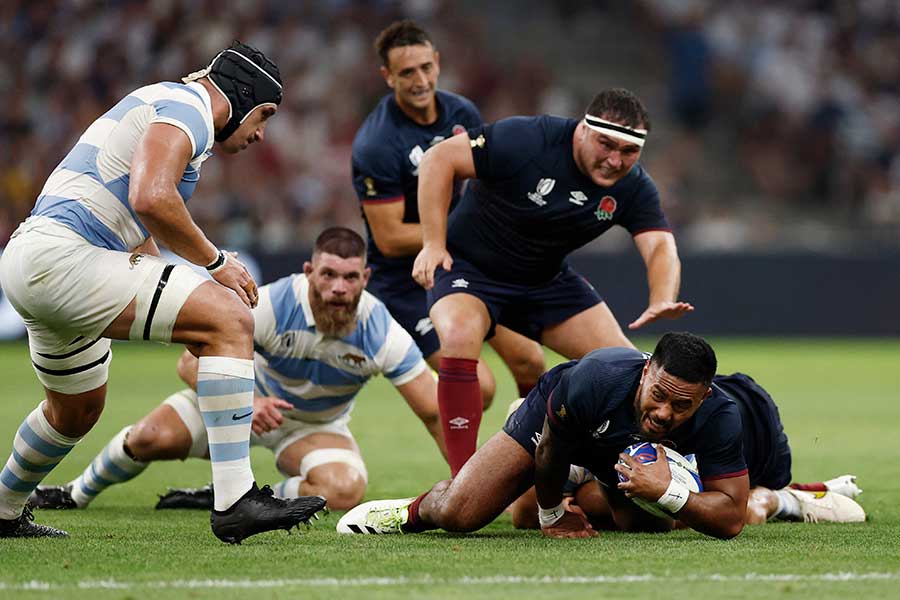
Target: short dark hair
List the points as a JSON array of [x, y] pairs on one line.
[[397, 34], [621, 106], [686, 356], [340, 241]]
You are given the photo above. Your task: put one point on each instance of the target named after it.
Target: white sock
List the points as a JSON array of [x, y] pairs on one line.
[[289, 488], [225, 396], [111, 466], [37, 449], [788, 506]]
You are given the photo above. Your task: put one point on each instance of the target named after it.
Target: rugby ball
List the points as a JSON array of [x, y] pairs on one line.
[[683, 469]]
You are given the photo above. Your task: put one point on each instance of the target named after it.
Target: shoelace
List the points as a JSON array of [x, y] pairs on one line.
[[389, 518], [27, 514]]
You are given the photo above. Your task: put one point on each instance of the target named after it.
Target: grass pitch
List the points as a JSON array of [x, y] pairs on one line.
[[838, 400]]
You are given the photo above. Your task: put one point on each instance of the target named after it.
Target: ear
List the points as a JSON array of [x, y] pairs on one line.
[[386, 74], [366, 274], [437, 59], [307, 268]]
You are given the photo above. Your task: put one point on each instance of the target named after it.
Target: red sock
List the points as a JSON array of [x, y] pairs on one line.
[[810, 487], [459, 402], [524, 389], [414, 524]]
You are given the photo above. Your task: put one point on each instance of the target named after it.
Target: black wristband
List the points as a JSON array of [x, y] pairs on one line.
[[220, 260]]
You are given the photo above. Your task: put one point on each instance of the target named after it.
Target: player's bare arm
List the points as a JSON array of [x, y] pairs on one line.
[[421, 396], [660, 255], [552, 458], [440, 167], [156, 168], [718, 511], [391, 235]]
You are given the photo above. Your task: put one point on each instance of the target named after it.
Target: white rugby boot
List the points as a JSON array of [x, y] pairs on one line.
[[376, 517], [845, 485], [827, 507]]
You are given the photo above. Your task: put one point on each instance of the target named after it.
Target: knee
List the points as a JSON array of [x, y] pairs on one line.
[[74, 419], [461, 335], [148, 442], [341, 485], [234, 320], [456, 516]]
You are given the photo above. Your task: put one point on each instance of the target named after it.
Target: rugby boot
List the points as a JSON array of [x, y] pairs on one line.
[[376, 517], [201, 498], [258, 510], [818, 507], [845, 485], [23, 526], [52, 496]]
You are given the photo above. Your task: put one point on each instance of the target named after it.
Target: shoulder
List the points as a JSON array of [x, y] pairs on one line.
[[532, 132], [457, 104], [370, 138]]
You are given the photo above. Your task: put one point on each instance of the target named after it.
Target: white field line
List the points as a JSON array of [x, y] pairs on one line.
[[114, 584]]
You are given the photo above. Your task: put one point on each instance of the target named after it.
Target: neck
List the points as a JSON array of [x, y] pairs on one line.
[[420, 116], [221, 108]]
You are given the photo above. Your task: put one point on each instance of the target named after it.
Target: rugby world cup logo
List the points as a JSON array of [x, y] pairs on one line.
[[606, 208], [544, 187]]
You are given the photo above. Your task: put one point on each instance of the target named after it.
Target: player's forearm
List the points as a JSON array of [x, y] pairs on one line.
[[663, 275], [167, 219], [551, 470], [435, 193], [713, 513]]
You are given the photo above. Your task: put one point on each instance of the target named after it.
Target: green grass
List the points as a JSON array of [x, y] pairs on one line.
[[838, 399]]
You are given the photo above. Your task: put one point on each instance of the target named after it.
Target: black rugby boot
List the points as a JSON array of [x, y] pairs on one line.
[[259, 510], [23, 526], [52, 496], [201, 498]]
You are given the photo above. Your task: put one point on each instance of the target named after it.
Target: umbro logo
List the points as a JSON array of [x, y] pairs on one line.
[[459, 423], [578, 198], [600, 430], [459, 283], [424, 326]]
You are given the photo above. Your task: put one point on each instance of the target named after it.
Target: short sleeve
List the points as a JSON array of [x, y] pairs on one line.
[[265, 330], [568, 405], [720, 451], [187, 118], [400, 359], [502, 149], [646, 212], [376, 175]]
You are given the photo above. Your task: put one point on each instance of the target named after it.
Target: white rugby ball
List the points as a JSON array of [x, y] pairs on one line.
[[683, 469]]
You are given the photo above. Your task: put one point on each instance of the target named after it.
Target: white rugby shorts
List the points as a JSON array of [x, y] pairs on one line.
[[68, 291]]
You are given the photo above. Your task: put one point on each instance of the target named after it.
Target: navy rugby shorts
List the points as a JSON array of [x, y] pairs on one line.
[[527, 309]]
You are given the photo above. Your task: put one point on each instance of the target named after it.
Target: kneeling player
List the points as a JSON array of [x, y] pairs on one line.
[[318, 338]]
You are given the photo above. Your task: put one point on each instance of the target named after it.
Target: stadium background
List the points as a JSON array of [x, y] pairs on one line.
[[776, 138]]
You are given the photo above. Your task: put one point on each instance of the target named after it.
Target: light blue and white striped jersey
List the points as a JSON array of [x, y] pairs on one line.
[[88, 191], [321, 375]]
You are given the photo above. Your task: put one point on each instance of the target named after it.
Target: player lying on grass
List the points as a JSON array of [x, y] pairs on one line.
[[585, 413], [318, 338], [768, 457]]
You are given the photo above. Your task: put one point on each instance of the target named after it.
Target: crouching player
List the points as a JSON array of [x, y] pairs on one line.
[[318, 338], [767, 455], [584, 413]]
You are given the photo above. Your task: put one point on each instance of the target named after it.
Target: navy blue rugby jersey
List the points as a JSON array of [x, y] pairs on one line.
[[530, 205], [591, 405], [387, 150]]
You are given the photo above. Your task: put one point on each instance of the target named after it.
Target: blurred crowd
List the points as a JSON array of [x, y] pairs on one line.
[[784, 116]]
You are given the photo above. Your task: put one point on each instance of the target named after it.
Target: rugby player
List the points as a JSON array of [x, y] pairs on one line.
[[84, 269], [387, 151], [543, 187], [318, 337], [585, 413]]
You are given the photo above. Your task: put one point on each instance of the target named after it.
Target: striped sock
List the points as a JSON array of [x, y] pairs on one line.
[[37, 449], [111, 466], [225, 395], [289, 488]]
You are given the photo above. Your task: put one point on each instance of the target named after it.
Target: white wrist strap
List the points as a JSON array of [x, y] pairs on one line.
[[675, 498], [218, 264], [550, 516]]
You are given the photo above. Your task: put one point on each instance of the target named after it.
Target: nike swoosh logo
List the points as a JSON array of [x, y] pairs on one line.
[[239, 417]]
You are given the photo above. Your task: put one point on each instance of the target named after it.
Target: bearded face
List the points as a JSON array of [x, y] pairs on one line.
[[335, 287]]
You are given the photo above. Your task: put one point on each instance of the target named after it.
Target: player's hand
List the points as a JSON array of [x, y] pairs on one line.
[[427, 261], [573, 524], [234, 275], [649, 481], [662, 310], [267, 413]]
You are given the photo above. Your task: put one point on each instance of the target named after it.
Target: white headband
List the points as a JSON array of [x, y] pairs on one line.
[[635, 136]]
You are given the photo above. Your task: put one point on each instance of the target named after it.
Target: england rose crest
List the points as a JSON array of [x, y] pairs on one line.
[[606, 208]]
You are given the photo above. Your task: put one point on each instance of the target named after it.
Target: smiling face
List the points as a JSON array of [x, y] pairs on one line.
[[603, 158], [335, 287], [663, 402], [412, 72], [251, 131]]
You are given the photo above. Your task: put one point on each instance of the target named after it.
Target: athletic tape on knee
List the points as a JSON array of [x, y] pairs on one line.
[[159, 300], [333, 455], [224, 365], [82, 367], [185, 404]]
